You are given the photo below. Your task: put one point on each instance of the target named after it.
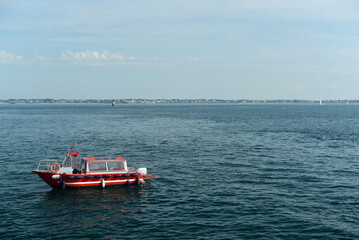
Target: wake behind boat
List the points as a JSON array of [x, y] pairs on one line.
[[95, 171]]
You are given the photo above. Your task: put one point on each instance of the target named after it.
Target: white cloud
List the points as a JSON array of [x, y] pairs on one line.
[[307, 9], [287, 9], [92, 56], [9, 58], [41, 58], [332, 86], [308, 68], [193, 59]]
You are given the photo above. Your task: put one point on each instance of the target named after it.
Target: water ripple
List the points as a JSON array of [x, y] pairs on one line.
[[224, 172]]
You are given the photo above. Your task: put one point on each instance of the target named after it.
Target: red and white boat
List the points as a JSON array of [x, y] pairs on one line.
[[95, 171]]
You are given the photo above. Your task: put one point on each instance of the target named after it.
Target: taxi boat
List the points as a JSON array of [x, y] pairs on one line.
[[95, 171]]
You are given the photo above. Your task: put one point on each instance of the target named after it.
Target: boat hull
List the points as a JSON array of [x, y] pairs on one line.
[[88, 180], [47, 178]]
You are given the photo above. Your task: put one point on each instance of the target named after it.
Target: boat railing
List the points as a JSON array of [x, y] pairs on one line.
[[44, 165]]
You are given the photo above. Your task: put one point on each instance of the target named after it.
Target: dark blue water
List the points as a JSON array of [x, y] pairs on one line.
[[224, 172]]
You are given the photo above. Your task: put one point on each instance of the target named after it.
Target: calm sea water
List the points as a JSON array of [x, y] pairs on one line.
[[224, 172]]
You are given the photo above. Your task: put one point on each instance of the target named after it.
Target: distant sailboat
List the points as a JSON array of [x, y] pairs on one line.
[[320, 102]]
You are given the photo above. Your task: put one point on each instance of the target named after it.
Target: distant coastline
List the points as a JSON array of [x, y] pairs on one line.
[[172, 101]]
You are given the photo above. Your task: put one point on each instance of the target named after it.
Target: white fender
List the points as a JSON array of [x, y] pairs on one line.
[[103, 184], [55, 176]]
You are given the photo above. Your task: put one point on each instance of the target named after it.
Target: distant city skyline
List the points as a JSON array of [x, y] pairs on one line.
[[177, 101], [179, 49]]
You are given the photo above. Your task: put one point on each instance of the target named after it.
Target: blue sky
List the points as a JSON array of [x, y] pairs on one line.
[[229, 49]]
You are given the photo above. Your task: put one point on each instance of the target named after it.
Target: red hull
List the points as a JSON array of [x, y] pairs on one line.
[[86, 180]]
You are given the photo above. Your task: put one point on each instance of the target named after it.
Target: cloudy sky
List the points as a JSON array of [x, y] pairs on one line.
[[228, 49]]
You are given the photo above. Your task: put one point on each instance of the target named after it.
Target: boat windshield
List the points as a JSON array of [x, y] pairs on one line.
[[67, 162]]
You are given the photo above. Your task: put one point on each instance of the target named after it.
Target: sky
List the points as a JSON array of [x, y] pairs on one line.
[[224, 49]]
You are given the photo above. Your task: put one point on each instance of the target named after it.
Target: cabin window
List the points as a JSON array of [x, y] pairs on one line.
[[116, 166], [97, 166]]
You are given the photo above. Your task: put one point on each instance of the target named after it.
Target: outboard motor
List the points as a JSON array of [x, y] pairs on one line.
[[143, 171]]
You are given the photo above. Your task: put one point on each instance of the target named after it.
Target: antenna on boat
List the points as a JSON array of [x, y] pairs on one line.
[[72, 147], [74, 155]]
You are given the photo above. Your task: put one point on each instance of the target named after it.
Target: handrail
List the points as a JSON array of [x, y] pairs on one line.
[[45, 164]]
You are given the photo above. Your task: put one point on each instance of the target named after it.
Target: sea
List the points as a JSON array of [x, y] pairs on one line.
[[240, 171]]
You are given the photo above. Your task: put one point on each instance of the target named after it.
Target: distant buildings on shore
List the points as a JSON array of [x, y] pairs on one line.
[[172, 101]]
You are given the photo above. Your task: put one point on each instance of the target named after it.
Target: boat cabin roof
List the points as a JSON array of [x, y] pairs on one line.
[[107, 159]]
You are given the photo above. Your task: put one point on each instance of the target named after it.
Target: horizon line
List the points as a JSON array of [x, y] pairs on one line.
[[173, 99]]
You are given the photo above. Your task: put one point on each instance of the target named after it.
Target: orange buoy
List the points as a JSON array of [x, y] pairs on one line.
[[58, 168]]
